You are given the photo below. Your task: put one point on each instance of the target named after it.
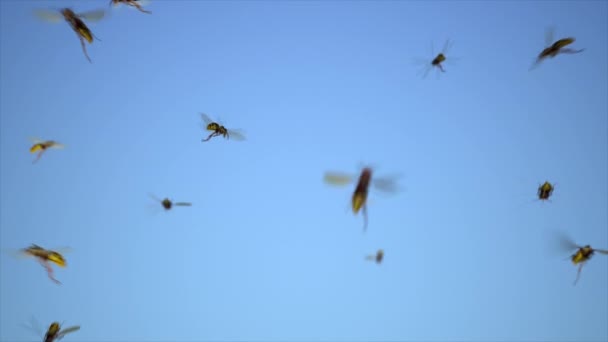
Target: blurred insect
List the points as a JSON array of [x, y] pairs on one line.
[[545, 191], [581, 256], [41, 146], [553, 49], [378, 257], [218, 129], [437, 61], [76, 23], [167, 204], [45, 257], [138, 4], [359, 197], [54, 331]]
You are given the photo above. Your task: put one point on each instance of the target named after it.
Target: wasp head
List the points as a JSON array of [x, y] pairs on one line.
[[68, 13]]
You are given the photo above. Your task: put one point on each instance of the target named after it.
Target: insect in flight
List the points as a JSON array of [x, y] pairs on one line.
[[553, 49], [138, 4], [54, 331], [42, 146], [545, 191], [76, 23], [359, 197], [167, 204], [581, 256], [437, 60], [218, 129], [377, 258], [45, 257]]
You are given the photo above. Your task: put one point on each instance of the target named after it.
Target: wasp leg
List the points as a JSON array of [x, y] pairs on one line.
[[210, 136], [364, 217], [570, 51], [38, 156], [138, 6], [578, 274], [49, 271], [84, 49], [440, 67]]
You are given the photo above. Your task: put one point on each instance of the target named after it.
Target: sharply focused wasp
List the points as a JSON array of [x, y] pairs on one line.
[[41, 146], [168, 204], [378, 257], [581, 256], [46, 257], [76, 23], [437, 60], [359, 198], [553, 49], [219, 129], [134, 3]]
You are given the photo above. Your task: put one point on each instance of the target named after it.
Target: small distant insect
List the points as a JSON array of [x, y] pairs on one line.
[[545, 191], [168, 204], [553, 49], [378, 257], [76, 23], [41, 146], [581, 256], [134, 3], [219, 129], [437, 61], [359, 198], [45, 257]]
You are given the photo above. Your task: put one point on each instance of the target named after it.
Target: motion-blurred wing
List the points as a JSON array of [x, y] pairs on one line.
[[549, 36], [566, 243], [340, 179], [183, 204], [36, 140], [94, 15], [385, 184], [57, 145], [66, 331], [48, 15], [446, 47], [206, 118], [236, 134], [602, 251], [155, 198]]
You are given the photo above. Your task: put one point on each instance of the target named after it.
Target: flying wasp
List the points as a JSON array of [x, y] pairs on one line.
[[581, 256], [138, 4], [437, 61], [218, 129], [76, 23], [378, 257], [359, 197], [545, 191], [42, 146], [53, 333], [167, 204], [553, 49], [45, 257]]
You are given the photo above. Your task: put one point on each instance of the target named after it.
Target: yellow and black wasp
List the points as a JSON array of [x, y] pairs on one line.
[[582, 254], [437, 60], [42, 146], [545, 191], [45, 257], [553, 49], [218, 129], [76, 23], [138, 4], [167, 204], [54, 331], [377, 257]]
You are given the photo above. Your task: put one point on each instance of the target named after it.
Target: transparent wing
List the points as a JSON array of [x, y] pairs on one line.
[[61, 250], [94, 15], [143, 2], [183, 204], [236, 134], [336, 178], [33, 326], [566, 243], [446, 46], [57, 145], [66, 331], [549, 36], [154, 197], [48, 15], [206, 118], [386, 184], [602, 251], [36, 140], [18, 253]]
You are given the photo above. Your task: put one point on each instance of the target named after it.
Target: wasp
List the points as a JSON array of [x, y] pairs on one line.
[[42, 146], [359, 197], [76, 23], [437, 61], [582, 254], [167, 204], [45, 257], [378, 257], [218, 129], [553, 49], [55, 332], [545, 191], [138, 4]]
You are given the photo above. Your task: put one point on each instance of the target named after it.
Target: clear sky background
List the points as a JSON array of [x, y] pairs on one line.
[[268, 251]]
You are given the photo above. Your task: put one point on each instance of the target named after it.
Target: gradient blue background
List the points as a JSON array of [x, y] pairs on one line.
[[268, 251]]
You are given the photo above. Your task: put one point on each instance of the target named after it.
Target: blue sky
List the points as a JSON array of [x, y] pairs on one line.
[[268, 252]]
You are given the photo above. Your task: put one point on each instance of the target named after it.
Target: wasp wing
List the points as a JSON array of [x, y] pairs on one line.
[[66, 331], [336, 178], [183, 204], [602, 251], [386, 184], [236, 134], [94, 15], [206, 118], [446, 47], [57, 145], [48, 15], [549, 36]]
